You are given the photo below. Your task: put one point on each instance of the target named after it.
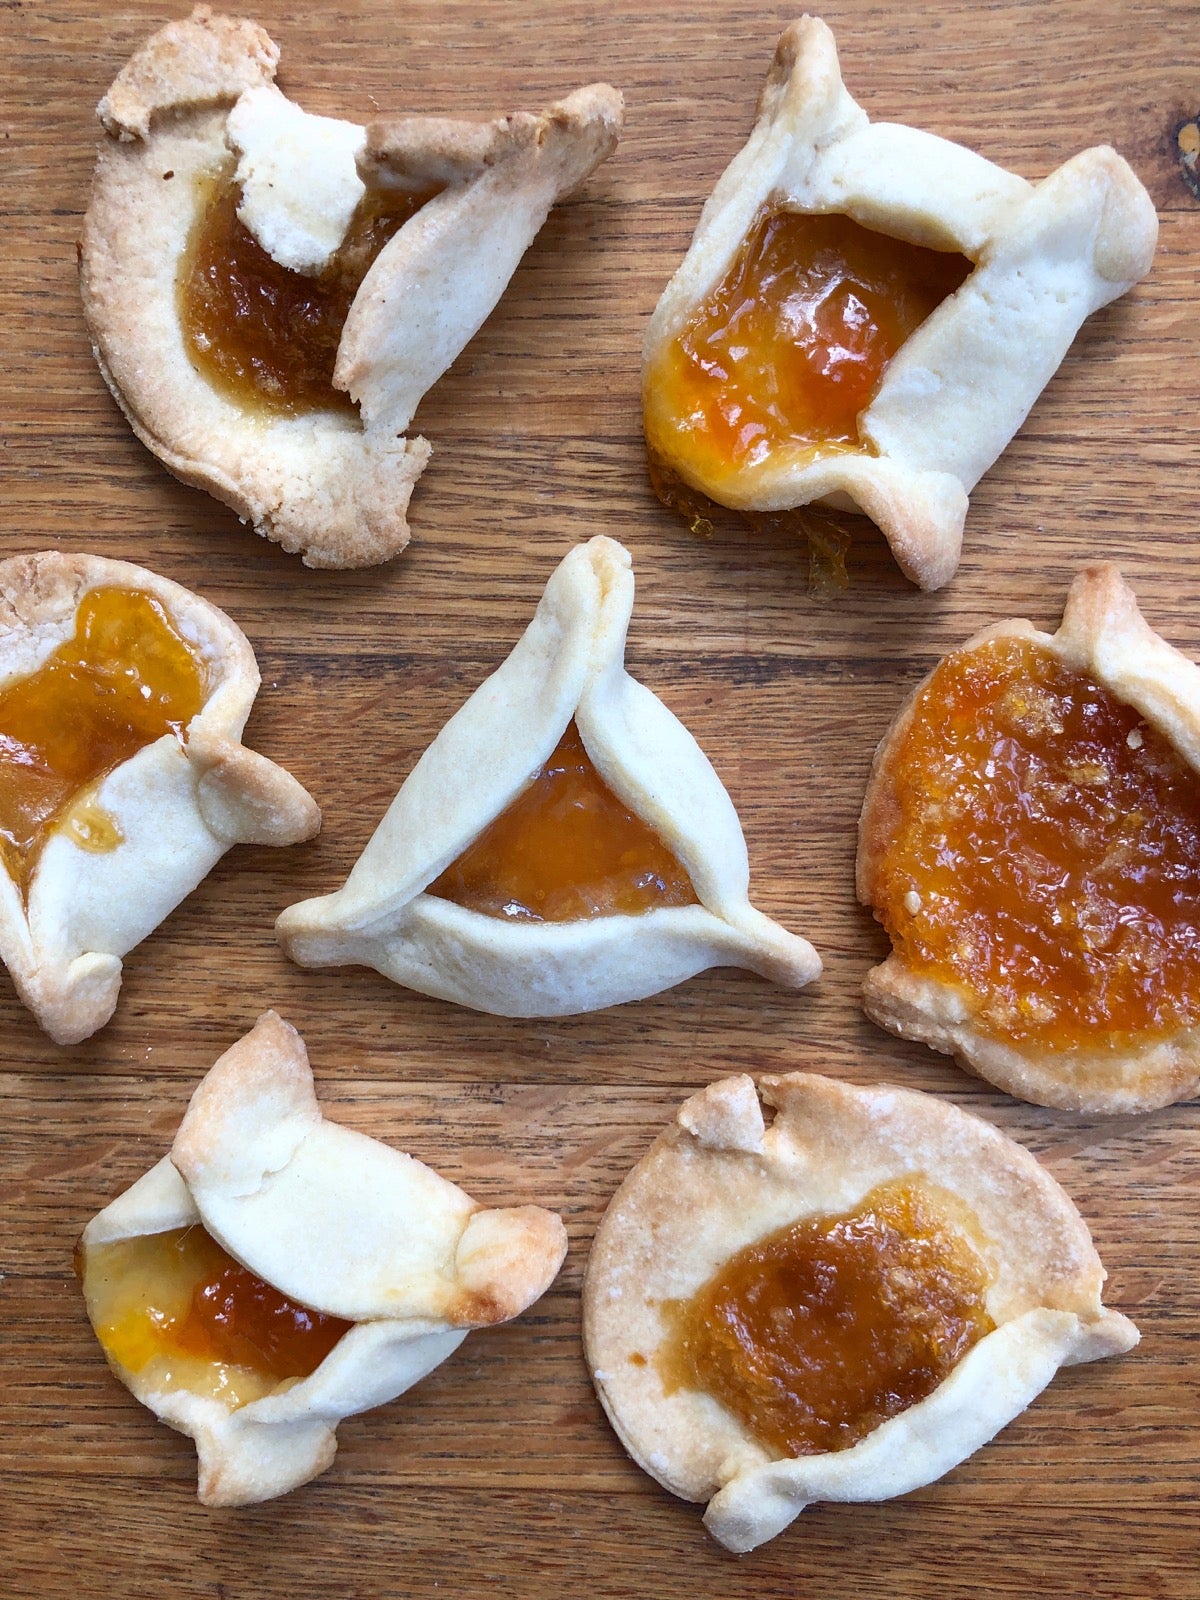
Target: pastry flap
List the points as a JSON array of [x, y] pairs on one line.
[[298, 175], [336, 1220], [487, 751]]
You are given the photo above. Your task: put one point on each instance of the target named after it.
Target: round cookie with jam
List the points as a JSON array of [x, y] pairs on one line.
[[1030, 840], [841, 1305]]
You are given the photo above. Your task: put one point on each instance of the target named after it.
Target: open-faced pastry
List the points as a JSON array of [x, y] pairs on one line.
[[562, 845], [867, 312], [276, 1272], [842, 1305], [123, 780], [1031, 841], [271, 293]]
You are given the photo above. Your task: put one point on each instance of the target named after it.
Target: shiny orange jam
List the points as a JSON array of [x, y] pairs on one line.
[[565, 849], [125, 679], [816, 1334], [263, 335], [175, 1309], [790, 346], [1045, 853]]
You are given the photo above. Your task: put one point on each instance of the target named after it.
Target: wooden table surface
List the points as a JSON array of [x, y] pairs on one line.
[[499, 1474]]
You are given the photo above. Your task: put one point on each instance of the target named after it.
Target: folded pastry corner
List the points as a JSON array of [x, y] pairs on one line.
[[840, 1306], [563, 844], [277, 1272], [867, 312], [1030, 839], [123, 779], [270, 293]]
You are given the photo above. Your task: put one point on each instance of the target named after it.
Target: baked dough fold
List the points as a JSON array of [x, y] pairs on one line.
[[176, 806], [568, 665], [198, 94], [338, 1222], [1046, 256], [720, 1178], [1103, 635]]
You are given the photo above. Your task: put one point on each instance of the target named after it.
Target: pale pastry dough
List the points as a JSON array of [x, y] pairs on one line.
[[1104, 636], [1046, 257], [331, 485], [569, 664], [176, 807], [339, 1223], [718, 1180]]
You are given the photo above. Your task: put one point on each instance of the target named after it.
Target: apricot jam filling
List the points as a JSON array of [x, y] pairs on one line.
[[790, 347], [566, 849], [175, 1310], [1044, 854], [124, 680], [264, 336], [816, 1334]]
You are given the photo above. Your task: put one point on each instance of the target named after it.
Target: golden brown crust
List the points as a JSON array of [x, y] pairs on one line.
[[411, 152], [719, 1179], [203, 61], [314, 484], [582, 129], [329, 485], [1103, 634]]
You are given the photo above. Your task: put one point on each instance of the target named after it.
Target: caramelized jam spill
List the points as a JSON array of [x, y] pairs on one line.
[[816, 1334], [177, 1310], [827, 540], [791, 345], [1045, 854], [125, 679], [261, 334], [566, 849]]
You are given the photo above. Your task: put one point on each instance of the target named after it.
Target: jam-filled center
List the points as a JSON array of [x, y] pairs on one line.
[[264, 336], [125, 679], [790, 346], [816, 1334], [566, 848], [1045, 853], [178, 1311]]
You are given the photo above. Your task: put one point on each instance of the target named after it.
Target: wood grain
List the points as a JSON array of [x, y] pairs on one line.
[[498, 1474]]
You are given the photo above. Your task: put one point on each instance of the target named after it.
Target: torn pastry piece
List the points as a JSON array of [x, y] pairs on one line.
[[271, 293], [562, 845], [276, 1273], [867, 312], [842, 1305], [1031, 841], [123, 780]]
